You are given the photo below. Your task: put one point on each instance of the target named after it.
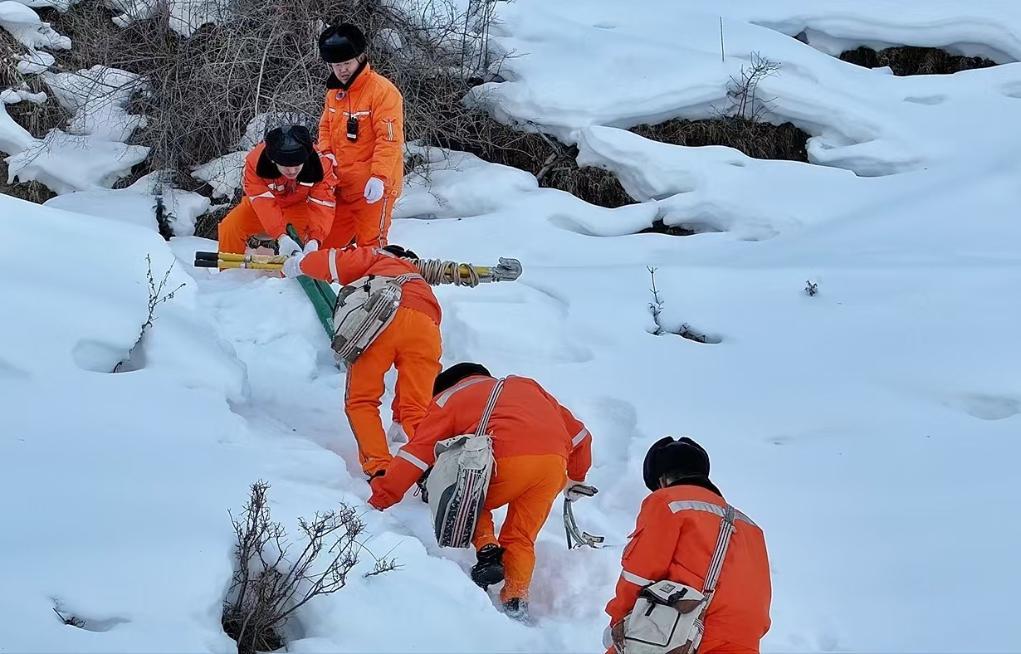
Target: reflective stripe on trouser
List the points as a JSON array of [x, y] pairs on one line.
[[412, 343], [528, 485], [242, 222], [368, 224]]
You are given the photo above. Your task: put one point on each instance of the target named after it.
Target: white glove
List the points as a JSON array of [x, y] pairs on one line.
[[292, 267], [286, 246], [396, 433], [576, 490], [311, 246], [373, 190]]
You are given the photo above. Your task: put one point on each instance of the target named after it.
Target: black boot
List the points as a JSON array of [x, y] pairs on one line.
[[517, 609], [489, 569]]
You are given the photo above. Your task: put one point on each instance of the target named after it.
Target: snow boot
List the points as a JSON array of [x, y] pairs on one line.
[[489, 569], [516, 609]]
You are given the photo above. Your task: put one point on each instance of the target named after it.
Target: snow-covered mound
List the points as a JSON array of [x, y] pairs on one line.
[[578, 63]]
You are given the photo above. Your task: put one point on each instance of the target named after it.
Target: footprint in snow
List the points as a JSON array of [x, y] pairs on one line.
[[988, 407]]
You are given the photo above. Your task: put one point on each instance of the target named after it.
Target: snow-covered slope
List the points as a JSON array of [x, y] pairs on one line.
[[871, 429]]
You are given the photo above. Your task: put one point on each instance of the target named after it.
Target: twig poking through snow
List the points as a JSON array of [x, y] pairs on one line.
[[811, 288], [73, 620], [156, 298], [656, 306]]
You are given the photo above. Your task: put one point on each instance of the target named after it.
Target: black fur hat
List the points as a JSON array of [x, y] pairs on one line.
[[455, 373], [683, 459]]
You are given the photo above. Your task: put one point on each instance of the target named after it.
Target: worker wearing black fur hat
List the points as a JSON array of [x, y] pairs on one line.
[[688, 534], [285, 182], [362, 131]]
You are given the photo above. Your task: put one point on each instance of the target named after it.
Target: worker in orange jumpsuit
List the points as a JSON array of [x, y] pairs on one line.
[[674, 539], [540, 449], [362, 130], [285, 181], [411, 343]]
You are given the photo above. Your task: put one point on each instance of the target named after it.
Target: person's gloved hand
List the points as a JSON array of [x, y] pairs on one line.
[[373, 190], [286, 246], [576, 490], [311, 246], [292, 267]]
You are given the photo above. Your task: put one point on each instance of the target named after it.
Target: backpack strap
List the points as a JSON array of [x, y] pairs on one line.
[[720, 553], [715, 568], [490, 405]]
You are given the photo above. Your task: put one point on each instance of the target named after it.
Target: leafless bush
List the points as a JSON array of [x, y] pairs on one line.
[[811, 288], [269, 585], [262, 57], [157, 296], [9, 53], [743, 92], [36, 118]]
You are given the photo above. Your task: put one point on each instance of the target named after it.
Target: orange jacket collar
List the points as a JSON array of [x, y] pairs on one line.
[[356, 82]]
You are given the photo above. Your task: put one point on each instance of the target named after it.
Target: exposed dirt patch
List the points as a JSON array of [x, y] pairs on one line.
[[754, 138], [911, 60]]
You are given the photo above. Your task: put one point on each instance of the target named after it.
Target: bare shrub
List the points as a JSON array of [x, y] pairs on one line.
[[910, 60], [36, 118], [157, 296], [740, 125], [743, 91], [262, 57], [269, 585]]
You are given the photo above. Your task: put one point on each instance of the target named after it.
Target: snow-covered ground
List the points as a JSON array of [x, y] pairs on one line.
[[871, 430]]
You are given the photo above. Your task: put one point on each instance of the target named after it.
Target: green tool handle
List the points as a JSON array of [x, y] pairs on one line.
[[320, 294]]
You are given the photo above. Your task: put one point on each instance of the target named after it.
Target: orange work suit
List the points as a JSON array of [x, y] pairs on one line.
[[537, 444], [674, 539], [377, 107], [271, 201], [411, 343]]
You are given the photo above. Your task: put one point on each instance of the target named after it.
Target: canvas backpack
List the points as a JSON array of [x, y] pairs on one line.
[[365, 308], [457, 483], [669, 618]]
